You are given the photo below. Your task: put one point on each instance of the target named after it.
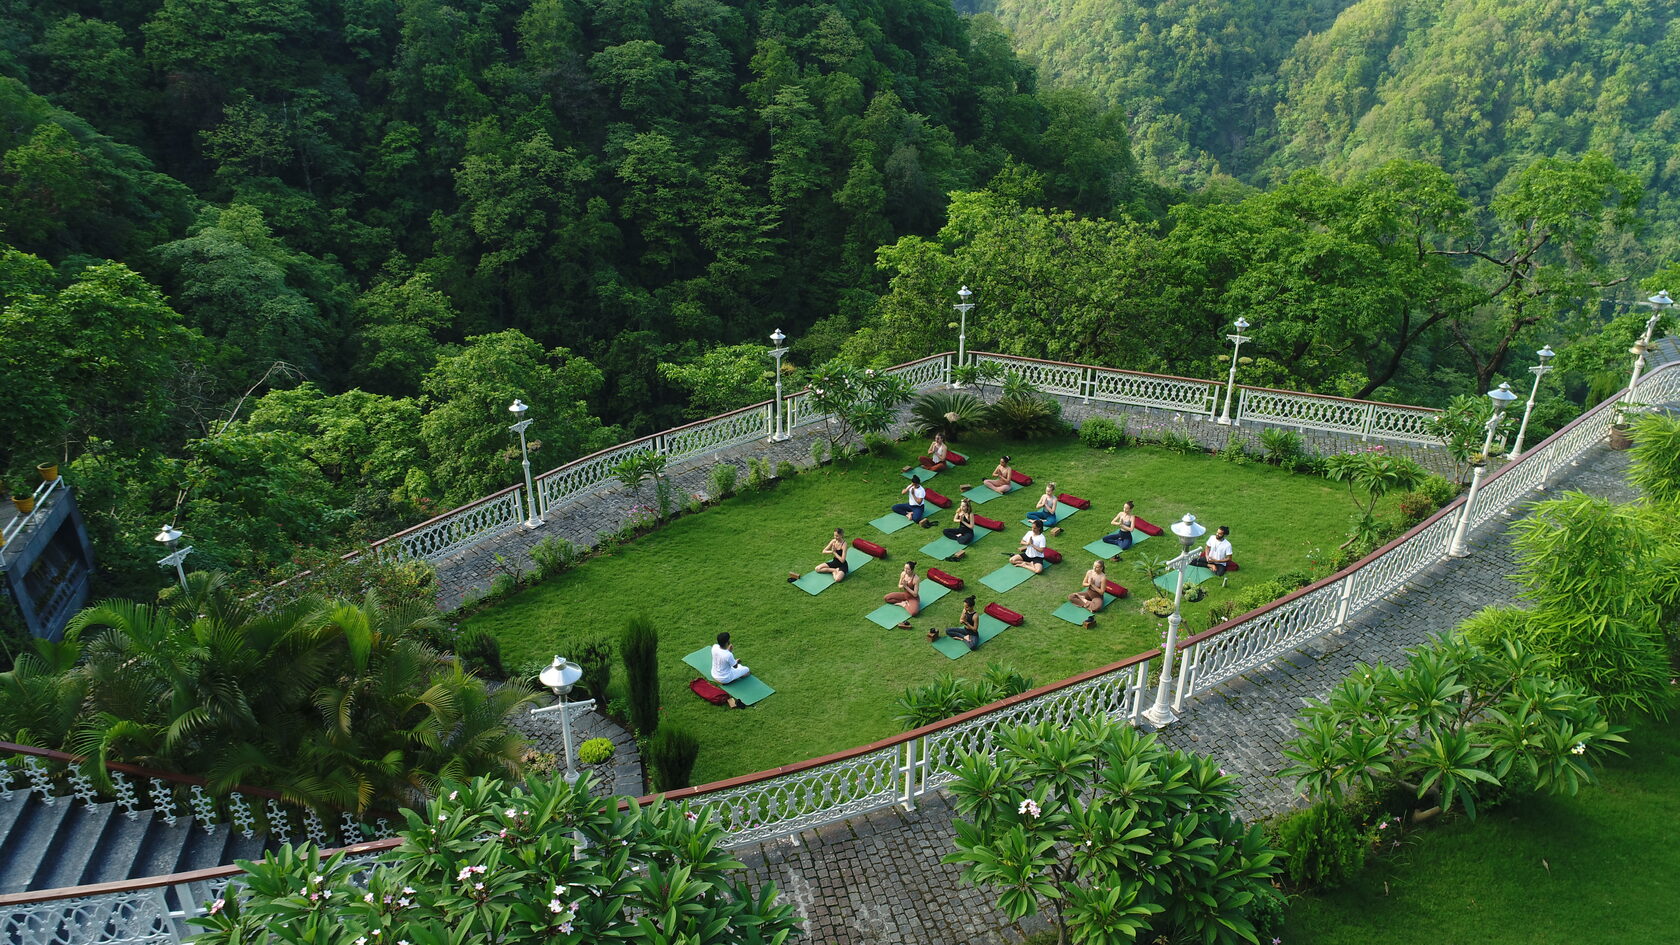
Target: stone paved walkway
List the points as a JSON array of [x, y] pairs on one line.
[[624, 777], [878, 880]]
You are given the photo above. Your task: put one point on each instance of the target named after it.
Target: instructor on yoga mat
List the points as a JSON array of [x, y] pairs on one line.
[[1031, 555], [916, 493], [1216, 556], [725, 667]]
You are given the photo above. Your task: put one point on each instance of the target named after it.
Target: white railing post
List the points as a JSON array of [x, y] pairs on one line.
[[1186, 663], [1370, 415], [1345, 604]]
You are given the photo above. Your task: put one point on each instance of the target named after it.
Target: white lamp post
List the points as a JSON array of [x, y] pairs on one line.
[[1501, 397], [1539, 371], [1659, 305], [1188, 530], [778, 427], [1236, 338], [962, 326], [560, 677], [518, 408], [168, 536]]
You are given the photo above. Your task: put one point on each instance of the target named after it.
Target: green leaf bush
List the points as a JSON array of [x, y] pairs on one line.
[[1101, 433], [595, 750]]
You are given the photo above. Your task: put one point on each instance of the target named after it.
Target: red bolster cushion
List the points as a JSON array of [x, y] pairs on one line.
[[990, 523], [1074, 501], [1004, 614], [1053, 556], [868, 547], [956, 459], [949, 580], [1020, 478], [938, 499], [709, 692], [1145, 527], [1232, 566], [1109, 587]]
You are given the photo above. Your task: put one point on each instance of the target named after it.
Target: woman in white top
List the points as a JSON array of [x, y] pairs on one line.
[[1031, 555], [935, 458]]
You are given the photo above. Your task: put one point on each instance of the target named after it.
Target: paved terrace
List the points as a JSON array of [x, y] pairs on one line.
[[878, 878]]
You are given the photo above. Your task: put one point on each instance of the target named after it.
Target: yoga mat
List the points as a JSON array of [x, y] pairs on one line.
[[749, 689], [888, 616], [980, 495], [1106, 551], [1075, 614], [955, 650], [889, 523], [1169, 582], [944, 548], [1006, 578], [926, 474], [815, 582], [1063, 513]]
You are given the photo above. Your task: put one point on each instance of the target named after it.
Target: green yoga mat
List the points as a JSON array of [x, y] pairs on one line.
[[1006, 578], [1067, 512], [955, 649], [944, 548], [926, 474], [750, 690], [980, 495], [1106, 551], [1075, 614], [1169, 582], [815, 582], [888, 616], [889, 523]]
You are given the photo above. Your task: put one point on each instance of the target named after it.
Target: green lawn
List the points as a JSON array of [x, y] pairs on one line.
[[836, 674], [1599, 867]]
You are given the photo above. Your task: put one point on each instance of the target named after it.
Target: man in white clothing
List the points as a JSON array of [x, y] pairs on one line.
[[914, 508], [725, 667], [1216, 557], [1031, 555]]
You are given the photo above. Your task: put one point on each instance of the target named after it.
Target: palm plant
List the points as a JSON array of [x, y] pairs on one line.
[[951, 413]]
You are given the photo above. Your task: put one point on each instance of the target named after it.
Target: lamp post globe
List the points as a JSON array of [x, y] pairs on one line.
[[518, 408], [778, 421], [560, 676], [1539, 371], [1187, 530], [169, 536], [1502, 398], [1659, 306], [1236, 338], [962, 308]]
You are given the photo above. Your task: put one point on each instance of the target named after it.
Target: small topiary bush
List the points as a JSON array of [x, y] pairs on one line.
[[786, 470], [1101, 433], [723, 480], [640, 650], [1323, 845], [758, 474], [595, 751], [672, 751]]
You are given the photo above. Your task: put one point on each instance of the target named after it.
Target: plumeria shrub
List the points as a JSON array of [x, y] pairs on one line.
[[1451, 727], [1121, 838], [493, 863]]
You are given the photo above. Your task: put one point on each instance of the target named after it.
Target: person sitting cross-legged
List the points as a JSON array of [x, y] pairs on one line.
[[968, 631], [1123, 523], [914, 506], [725, 667], [935, 456], [1047, 509], [1216, 556], [1090, 593], [1031, 555], [909, 593]]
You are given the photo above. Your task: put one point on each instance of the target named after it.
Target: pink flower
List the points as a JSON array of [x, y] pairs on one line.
[[217, 906]]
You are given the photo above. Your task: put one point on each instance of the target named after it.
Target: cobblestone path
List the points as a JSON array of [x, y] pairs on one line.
[[878, 880]]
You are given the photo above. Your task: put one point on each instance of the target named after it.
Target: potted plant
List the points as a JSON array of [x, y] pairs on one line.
[[24, 501], [48, 471]]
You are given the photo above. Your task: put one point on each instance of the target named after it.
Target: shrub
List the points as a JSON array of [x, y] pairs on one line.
[[758, 473], [1323, 845], [819, 451], [595, 750], [723, 479], [1179, 443], [876, 444], [1101, 433], [1656, 457], [480, 654], [1280, 445], [554, 555], [501, 586], [1025, 416], [950, 412], [594, 655], [639, 648], [672, 751], [1440, 489], [1414, 507], [946, 696], [786, 470], [1294, 580]]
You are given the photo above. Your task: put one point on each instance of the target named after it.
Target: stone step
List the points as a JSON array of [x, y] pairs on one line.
[[119, 848], [160, 849], [74, 844], [29, 843]]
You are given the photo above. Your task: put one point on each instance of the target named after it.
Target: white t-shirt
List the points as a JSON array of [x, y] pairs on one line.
[[723, 661], [917, 494], [1218, 549], [1035, 545]]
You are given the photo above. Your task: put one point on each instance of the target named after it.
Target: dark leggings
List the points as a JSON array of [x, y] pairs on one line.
[[1123, 538], [962, 535], [967, 636]]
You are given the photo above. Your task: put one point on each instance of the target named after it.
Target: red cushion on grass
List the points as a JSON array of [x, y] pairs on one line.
[[868, 547], [991, 523], [1109, 587], [1145, 527], [709, 692], [1020, 478], [949, 580], [928, 463], [956, 459], [938, 499], [1005, 614], [1053, 556], [1232, 565], [1074, 501]]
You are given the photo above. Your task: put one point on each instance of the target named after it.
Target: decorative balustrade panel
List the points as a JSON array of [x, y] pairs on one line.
[[929, 372], [1414, 425], [574, 479], [789, 803], [466, 526], [802, 410], [1390, 572], [717, 433], [1301, 410], [1255, 642], [139, 917], [1148, 390], [1051, 378]]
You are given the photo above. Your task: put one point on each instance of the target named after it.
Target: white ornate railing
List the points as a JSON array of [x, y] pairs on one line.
[[1153, 390], [718, 433], [1315, 412], [559, 486]]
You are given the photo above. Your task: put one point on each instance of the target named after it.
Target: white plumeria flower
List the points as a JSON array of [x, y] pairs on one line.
[[555, 907], [453, 795], [1579, 749]]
